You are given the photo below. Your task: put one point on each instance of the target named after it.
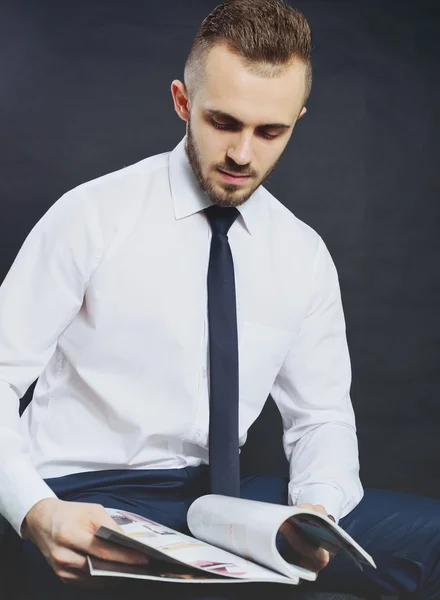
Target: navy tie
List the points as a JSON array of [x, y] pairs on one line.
[[224, 466]]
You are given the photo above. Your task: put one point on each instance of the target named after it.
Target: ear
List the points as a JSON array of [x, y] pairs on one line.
[[303, 112], [180, 98]]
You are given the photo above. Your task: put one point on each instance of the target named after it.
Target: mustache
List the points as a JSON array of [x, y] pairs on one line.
[[235, 169]]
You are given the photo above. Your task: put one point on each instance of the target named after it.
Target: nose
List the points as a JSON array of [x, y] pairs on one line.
[[240, 149]]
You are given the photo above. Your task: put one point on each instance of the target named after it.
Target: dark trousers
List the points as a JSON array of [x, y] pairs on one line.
[[400, 531]]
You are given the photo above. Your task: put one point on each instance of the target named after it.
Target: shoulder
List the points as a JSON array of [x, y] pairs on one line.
[[124, 186], [110, 204], [291, 235], [300, 252]]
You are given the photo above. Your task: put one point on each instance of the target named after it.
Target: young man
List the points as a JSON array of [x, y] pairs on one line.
[[159, 306]]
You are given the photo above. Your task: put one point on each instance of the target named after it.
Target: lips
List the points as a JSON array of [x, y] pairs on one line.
[[233, 174], [236, 179]]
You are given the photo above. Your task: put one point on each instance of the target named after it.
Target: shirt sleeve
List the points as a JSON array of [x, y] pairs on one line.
[[312, 392], [39, 297]]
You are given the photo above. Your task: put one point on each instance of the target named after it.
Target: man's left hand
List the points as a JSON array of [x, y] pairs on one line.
[[312, 557]]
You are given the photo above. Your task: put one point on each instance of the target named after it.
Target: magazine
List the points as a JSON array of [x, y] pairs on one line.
[[234, 542]]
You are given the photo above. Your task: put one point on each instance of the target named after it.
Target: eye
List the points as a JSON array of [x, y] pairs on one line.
[[222, 126], [267, 136], [231, 127]]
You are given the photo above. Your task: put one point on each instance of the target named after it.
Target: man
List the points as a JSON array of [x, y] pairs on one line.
[[131, 295]]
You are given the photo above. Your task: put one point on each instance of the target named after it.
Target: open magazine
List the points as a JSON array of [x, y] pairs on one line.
[[234, 542]]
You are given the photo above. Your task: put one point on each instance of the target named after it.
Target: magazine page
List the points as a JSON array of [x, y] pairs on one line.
[[249, 528], [156, 570], [165, 544], [324, 532]]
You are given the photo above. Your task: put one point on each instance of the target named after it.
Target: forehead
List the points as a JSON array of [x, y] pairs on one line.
[[230, 86]]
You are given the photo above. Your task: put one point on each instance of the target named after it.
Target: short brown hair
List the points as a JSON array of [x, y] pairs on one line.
[[267, 34]]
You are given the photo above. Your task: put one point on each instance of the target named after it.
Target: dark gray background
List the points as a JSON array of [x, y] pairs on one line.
[[84, 90]]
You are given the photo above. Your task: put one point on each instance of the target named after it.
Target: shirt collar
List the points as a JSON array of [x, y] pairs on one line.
[[189, 198]]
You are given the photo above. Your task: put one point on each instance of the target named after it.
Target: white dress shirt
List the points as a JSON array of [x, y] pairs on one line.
[[106, 303]]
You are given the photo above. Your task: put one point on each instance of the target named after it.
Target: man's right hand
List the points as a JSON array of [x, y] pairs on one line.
[[64, 532]]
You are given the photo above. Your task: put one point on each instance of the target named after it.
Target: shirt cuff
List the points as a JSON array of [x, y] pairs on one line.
[[21, 487], [327, 495]]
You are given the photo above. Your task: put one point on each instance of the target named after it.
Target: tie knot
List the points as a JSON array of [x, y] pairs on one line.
[[221, 218]]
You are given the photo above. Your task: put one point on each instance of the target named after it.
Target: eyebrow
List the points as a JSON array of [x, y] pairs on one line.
[[219, 113]]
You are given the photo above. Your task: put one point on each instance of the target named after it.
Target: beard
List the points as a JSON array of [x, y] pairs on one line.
[[228, 195]]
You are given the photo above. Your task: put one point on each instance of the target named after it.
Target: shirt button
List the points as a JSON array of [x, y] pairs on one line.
[[196, 436]]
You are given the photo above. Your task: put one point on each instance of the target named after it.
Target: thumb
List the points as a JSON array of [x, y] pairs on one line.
[[101, 518]]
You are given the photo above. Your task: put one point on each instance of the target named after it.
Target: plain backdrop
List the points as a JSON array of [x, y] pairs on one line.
[[85, 90]]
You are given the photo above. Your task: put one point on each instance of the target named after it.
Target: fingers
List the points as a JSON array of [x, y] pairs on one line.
[[65, 557], [81, 579], [80, 536], [312, 557], [108, 551], [316, 507], [72, 568], [65, 534], [317, 562], [67, 564], [327, 556]]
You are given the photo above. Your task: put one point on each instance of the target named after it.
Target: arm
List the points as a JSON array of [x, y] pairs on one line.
[[39, 297], [312, 392]]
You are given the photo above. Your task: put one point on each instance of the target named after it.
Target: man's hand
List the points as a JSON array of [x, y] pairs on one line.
[[64, 532], [312, 557]]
